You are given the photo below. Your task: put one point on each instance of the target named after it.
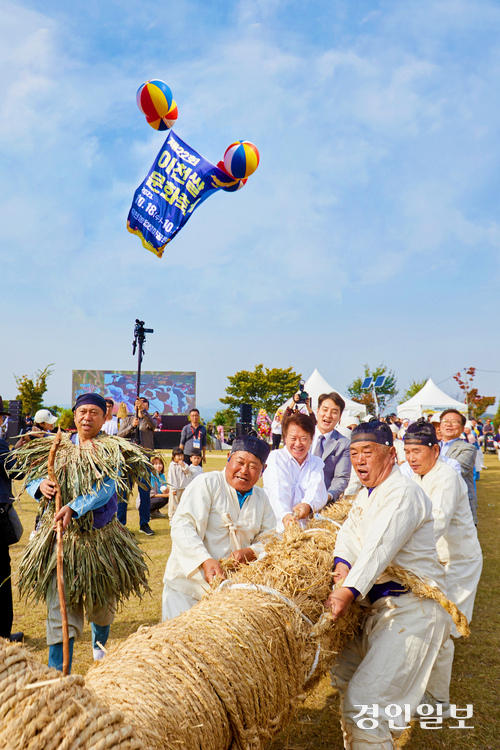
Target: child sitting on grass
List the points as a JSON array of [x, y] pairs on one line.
[[159, 489]]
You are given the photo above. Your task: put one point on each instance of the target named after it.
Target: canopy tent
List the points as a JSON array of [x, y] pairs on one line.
[[429, 400], [315, 386]]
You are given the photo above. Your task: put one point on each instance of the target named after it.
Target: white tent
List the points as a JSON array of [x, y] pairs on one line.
[[429, 400], [316, 385]]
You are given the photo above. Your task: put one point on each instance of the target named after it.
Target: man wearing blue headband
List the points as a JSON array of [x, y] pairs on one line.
[[90, 466], [221, 514], [389, 661], [457, 544]]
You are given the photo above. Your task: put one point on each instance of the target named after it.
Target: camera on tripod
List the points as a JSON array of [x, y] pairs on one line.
[[303, 395]]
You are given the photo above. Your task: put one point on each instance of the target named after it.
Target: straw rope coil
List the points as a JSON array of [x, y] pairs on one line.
[[41, 710]]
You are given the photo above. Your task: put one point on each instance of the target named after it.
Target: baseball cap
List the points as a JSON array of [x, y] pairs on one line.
[[44, 415]]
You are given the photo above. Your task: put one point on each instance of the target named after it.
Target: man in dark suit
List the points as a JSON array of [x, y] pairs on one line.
[[6, 500], [451, 425], [128, 429], [331, 446]]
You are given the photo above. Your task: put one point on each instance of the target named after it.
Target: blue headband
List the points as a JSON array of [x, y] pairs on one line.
[[90, 398], [373, 431], [253, 445]]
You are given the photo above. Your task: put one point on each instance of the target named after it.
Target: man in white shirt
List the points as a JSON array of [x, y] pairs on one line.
[[221, 514], [331, 446], [456, 540], [293, 479], [389, 661], [110, 426]]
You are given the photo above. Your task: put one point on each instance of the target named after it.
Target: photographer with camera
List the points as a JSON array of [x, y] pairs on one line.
[[43, 426], [301, 399]]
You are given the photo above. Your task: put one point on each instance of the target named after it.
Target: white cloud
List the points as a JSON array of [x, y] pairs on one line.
[[377, 151]]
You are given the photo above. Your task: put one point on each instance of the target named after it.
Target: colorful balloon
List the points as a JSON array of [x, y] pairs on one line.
[[154, 99], [158, 123], [171, 116], [241, 159]]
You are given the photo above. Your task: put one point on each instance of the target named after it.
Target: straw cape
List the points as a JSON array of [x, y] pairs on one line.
[[101, 565]]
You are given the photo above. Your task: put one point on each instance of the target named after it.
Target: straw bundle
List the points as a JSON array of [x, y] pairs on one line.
[[41, 710]]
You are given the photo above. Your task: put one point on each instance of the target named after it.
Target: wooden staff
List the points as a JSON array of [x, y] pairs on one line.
[[60, 569]]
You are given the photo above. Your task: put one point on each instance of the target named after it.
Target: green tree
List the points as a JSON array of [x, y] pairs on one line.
[[65, 420], [384, 395], [496, 418], [414, 387], [30, 390], [262, 388], [226, 417]]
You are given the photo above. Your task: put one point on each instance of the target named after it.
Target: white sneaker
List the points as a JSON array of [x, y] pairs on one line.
[[98, 654]]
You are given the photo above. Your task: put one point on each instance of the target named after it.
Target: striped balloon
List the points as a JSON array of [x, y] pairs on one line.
[[171, 116], [241, 159], [158, 123], [154, 99]]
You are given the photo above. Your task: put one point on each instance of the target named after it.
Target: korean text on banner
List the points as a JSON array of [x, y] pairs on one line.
[[179, 180]]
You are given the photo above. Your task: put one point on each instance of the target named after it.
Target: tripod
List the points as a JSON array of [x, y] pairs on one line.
[[139, 339]]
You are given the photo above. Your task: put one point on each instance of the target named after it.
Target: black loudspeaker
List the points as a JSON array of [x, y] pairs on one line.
[[244, 429], [15, 408], [245, 413], [16, 422]]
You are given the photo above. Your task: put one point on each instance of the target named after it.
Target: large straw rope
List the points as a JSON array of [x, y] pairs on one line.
[[41, 710], [226, 674]]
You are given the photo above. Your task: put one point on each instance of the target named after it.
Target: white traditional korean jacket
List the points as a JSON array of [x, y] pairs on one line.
[[210, 524], [456, 536], [391, 525]]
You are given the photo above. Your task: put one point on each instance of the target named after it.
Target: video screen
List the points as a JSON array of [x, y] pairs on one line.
[[167, 392]]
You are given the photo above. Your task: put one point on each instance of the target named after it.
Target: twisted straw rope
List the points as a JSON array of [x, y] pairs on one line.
[[40, 710]]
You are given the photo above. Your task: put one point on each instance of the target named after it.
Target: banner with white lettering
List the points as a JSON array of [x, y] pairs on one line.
[[179, 181]]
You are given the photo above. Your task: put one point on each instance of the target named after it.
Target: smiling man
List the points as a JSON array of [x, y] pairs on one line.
[[389, 661], [457, 544], [331, 446], [451, 425], [90, 466], [221, 514]]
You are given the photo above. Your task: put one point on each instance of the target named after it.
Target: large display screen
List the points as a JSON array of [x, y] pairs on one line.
[[167, 392]]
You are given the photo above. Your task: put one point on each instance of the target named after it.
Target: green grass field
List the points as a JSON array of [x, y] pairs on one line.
[[316, 726]]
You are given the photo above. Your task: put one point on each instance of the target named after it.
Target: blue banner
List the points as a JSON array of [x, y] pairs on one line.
[[179, 181]]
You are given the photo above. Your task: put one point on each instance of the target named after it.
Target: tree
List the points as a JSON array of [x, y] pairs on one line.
[[225, 417], [30, 391], [66, 419], [496, 419], [414, 387], [476, 404], [262, 389], [384, 395]]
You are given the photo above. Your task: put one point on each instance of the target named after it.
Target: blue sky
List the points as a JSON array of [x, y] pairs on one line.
[[369, 233]]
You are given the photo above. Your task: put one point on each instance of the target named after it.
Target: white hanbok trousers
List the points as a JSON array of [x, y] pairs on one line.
[[388, 662], [174, 602]]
